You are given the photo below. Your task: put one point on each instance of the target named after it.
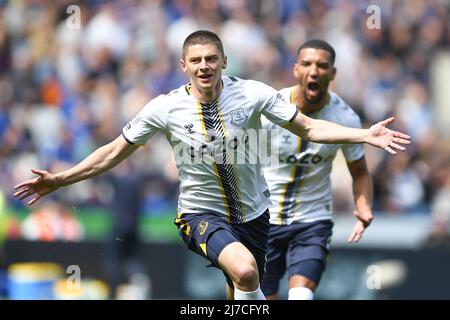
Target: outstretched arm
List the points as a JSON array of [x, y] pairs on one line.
[[101, 160], [328, 132], [363, 197]]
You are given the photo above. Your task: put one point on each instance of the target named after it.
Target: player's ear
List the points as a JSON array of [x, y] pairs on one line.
[[183, 65], [224, 66], [295, 70], [333, 73]]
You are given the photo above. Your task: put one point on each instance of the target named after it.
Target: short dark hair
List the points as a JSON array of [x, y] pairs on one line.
[[318, 44], [203, 37]]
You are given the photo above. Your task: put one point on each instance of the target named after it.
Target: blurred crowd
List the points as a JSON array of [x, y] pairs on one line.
[[66, 89]]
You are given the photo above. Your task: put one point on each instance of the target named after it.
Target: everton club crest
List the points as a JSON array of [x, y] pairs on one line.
[[238, 118]]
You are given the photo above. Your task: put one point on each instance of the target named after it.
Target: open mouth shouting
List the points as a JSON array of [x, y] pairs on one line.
[[313, 90], [205, 77]]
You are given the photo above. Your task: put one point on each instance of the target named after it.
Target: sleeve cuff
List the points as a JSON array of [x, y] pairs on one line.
[[126, 139], [295, 115], [356, 160]]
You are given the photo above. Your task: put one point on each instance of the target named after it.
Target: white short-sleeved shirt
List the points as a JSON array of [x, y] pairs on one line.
[[210, 179], [300, 185]]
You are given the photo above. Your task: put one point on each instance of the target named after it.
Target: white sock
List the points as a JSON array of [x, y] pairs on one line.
[[300, 293], [249, 295]]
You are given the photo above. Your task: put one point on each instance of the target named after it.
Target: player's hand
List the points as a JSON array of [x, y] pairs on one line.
[[363, 222], [36, 188], [387, 139]]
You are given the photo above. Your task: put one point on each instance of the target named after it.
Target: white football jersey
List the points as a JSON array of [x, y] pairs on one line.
[[300, 185], [208, 139]]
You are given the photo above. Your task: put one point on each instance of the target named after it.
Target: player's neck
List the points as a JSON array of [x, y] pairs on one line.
[[304, 105], [207, 96]]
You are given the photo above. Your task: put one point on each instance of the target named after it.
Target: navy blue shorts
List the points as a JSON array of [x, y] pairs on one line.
[[207, 234], [299, 248]]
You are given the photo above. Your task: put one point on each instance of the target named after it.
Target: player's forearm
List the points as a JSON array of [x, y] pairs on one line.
[[323, 131], [98, 162], [363, 194]]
